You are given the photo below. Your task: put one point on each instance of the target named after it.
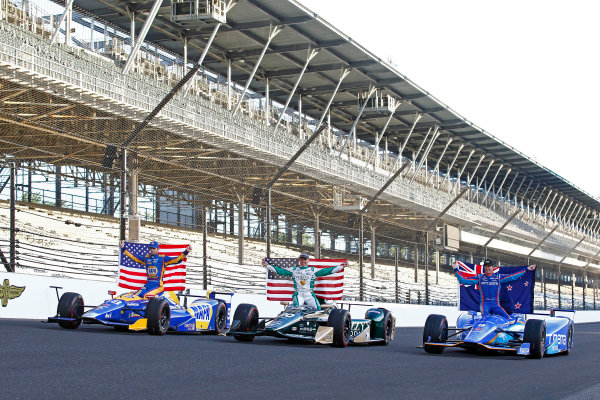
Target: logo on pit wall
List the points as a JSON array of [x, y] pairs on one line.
[[9, 292]]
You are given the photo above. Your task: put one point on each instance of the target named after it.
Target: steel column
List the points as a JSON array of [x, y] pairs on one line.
[[485, 175], [142, 35], [310, 56], [462, 145], [343, 74], [203, 56], [376, 148], [272, 33], [542, 241], [372, 90], [437, 164], [434, 136], [68, 6], [501, 228], [123, 192], [13, 221], [401, 149], [204, 249], [361, 250], [510, 186], [268, 210], [493, 181], [475, 170]]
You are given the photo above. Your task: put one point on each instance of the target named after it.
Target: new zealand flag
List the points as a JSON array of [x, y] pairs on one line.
[[515, 296]]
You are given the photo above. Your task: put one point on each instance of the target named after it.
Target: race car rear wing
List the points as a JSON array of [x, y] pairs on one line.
[[210, 294]]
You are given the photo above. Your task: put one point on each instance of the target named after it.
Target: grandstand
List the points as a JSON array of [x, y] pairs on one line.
[[216, 167]]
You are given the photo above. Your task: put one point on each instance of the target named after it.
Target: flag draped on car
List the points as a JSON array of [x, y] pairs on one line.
[[515, 296], [132, 275], [281, 287]]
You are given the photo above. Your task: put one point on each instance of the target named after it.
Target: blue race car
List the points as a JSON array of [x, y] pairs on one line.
[[156, 315], [530, 337]]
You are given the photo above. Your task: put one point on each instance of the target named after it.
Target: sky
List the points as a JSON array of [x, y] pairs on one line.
[[525, 71]]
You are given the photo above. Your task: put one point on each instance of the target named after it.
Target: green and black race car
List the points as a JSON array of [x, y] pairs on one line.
[[331, 325]]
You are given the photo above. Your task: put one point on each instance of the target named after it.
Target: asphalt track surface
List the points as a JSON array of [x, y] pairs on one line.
[[39, 360]]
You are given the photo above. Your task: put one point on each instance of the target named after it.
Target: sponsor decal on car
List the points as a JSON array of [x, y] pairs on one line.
[[202, 312], [358, 328]]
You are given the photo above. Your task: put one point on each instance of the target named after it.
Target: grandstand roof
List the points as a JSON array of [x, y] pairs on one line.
[[243, 37]]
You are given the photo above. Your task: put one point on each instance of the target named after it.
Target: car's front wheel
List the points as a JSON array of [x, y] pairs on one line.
[[247, 314], [70, 305], [569, 340], [535, 335], [158, 314], [435, 331], [341, 322]]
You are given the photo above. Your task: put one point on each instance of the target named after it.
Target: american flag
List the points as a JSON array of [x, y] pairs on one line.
[[281, 288], [133, 275]]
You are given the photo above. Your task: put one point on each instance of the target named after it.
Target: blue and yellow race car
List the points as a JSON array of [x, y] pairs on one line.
[[156, 315]]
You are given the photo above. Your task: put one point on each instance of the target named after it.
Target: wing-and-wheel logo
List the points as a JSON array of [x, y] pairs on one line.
[[9, 292]]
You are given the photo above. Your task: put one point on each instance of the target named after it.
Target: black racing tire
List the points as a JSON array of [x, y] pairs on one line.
[[247, 314], [70, 305], [535, 335], [158, 314], [341, 322], [220, 318], [569, 341], [435, 331]]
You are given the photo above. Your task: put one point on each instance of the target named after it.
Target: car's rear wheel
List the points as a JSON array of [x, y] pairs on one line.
[[247, 314], [220, 318], [341, 322], [435, 331], [535, 335], [70, 305], [569, 340], [158, 314]]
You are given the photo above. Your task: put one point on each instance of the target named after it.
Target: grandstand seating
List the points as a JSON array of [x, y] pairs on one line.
[[67, 243]]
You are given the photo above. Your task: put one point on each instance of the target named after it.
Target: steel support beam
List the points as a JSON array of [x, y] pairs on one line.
[[68, 7], [542, 241], [343, 74], [203, 56], [272, 33], [572, 250], [437, 163], [485, 175], [493, 181], [401, 149], [501, 228], [142, 36], [464, 166], [507, 197], [462, 145], [166, 99], [372, 90], [434, 136], [311, 54], [283, 169], [378, 141], [445, 210], [475, 170]]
